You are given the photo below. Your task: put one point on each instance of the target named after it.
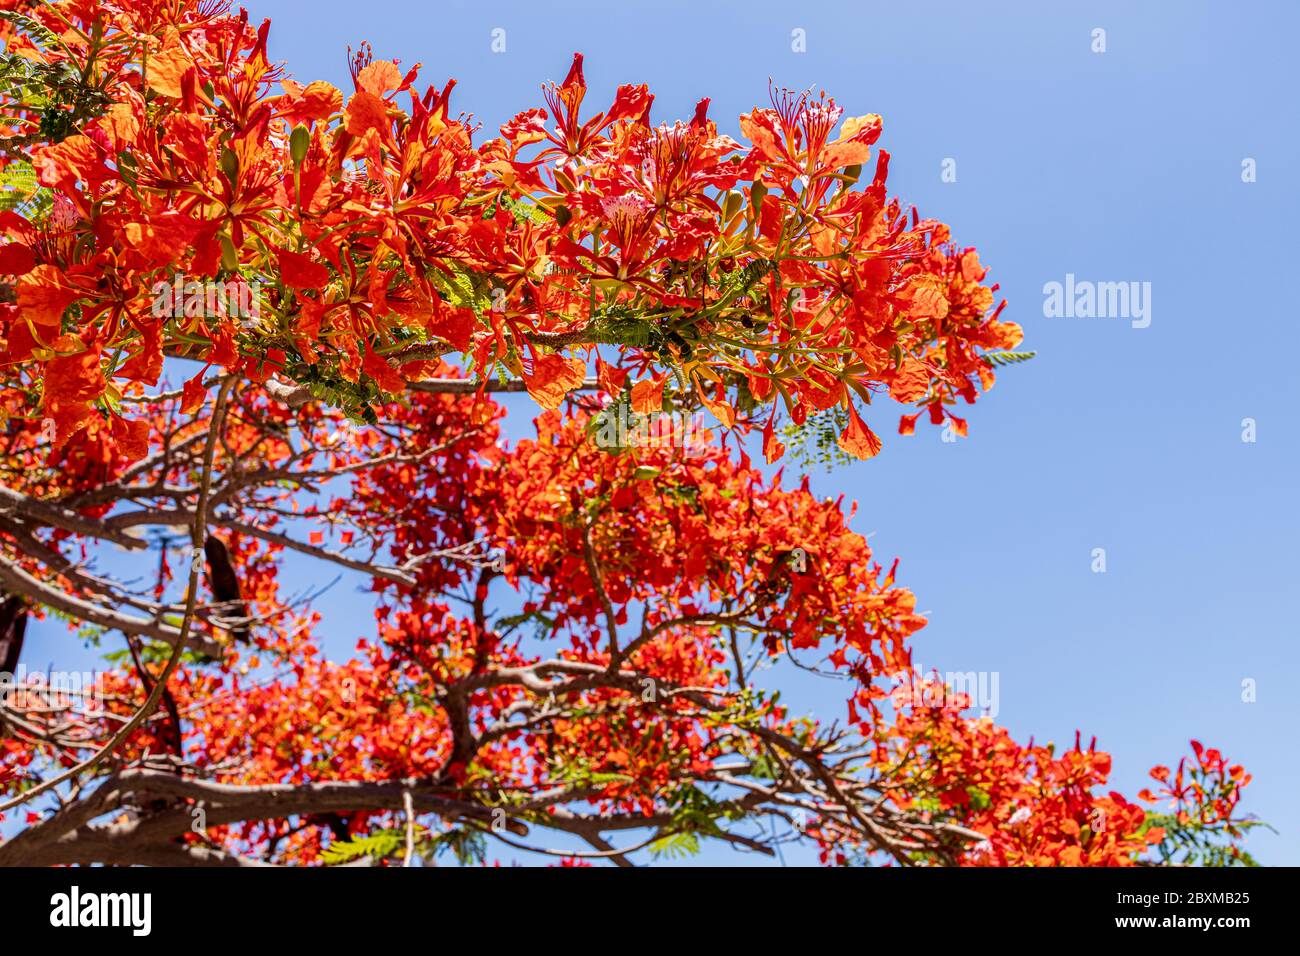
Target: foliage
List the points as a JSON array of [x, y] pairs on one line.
[[758, 275], [568, 637]]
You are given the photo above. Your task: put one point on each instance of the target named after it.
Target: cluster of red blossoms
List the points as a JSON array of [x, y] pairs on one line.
[[597, 674], [737, 276], [678, 555]]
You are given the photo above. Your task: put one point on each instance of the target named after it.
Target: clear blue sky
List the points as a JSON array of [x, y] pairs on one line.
[[1121, 166]]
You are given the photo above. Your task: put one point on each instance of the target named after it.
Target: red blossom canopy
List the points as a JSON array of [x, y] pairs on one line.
[[569, 636]]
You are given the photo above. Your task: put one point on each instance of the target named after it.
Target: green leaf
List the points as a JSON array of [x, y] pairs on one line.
[[525, 211], [468, 845], [620, 325], [462, 288], [1008, 358], [375, 845], [676, 845], [38, 33], [763, 768], [17, 184], [816, 441]]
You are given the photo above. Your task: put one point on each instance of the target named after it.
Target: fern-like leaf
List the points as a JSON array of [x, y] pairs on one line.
[[1008, 358], [375, 845], [38, 33]]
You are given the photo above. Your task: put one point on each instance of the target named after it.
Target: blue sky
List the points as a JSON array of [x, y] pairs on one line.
[[1117, 166]]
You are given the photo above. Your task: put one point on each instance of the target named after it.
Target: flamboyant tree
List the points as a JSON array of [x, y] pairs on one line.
[[570, 630]]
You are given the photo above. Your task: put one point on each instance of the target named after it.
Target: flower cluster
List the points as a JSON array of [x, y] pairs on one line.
[[743, 277]]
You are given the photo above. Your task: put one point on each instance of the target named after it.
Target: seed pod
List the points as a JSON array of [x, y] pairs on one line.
[[229, 257], [562, 216], [229, 163], [299, 140], [731, 205]]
